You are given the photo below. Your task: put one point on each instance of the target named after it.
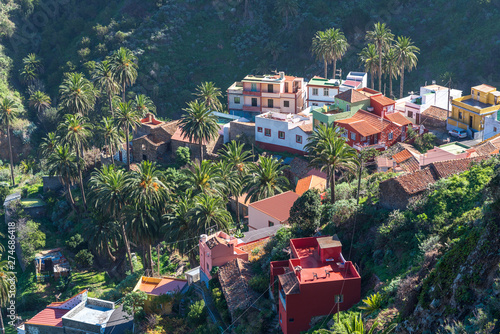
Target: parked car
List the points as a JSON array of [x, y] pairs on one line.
[[459, 133]]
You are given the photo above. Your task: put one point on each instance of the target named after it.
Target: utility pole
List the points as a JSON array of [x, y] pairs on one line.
[[339, 71]]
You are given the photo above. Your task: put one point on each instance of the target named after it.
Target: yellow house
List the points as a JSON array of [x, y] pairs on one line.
[[160, 291], [477, 113]]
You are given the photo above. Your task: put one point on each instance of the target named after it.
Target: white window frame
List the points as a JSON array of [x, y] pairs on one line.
[[326, 92], [315, 91]]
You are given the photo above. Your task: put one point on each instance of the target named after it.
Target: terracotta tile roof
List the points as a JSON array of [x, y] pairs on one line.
[[234, 277], [383, 100], [158, 287], [410, 165], [402, 156], [484, 88], [360, 126], [384, 161], [398, 119], [485, 149], [409, 147], [310, 182], [352, 96], [307, 128], [495, 139], [180, 137], [365, 123], [214, 241], [48, 317], [444, 169], [436, 112], [417, 181], [290, 283], [277, 206]]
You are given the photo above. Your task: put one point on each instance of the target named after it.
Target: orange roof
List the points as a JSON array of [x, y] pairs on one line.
[[310, 182], [364, 123], [158, 287], [277, 206], [352, 96], [180, 137], [402, 156], [398, 119], [436, 112], [48, 317], [484, 88], [383, 100], [307, 128]]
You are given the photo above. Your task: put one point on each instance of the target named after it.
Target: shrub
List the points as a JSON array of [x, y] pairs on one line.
[[4, 174], [305, 213], [183, 155], [4, 192], [30, 238], [75, 242], [259, 283], [372, 303], [84, 259], [197, 313]]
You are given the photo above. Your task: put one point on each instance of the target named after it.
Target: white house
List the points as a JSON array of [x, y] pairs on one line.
[[283, 132], [431, 95], [321, 91], [272, 211], [354, 80]]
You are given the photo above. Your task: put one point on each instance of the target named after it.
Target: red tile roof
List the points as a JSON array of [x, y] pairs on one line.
[[410, 165], [352, 96], [364, 123], [352, 83], [310, 182], [398, 119], [48, 317], [277, 206], [417, 181], [450, 167], [307, 128], [383, 100], [180, 137], [402, 156], [436, 112], [158, 287]]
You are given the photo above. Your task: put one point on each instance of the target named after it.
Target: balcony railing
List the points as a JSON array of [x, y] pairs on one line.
[[269, 94], [251, 108], [249, 92], [366, 146]]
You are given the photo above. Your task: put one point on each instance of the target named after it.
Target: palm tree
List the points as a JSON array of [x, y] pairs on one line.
[[320, 134], [143, 105], [391, 67], [149, 194], [355, 325], [199, 124], [368, 57], [320, 49], [111, 135], [76, 131], [127, 118], [5, 284], [31, 69], [49, 143], [205, 178], [209, 94], [337, 45], [265, 179], [382, 37], [124, 67], [104, 80], [100, 231], [407, 58], [334, 155], [230, 183], [78, 95], [39, 100], [108, 195], [287, 8], [63, 162], [235, 154], [8, 112]]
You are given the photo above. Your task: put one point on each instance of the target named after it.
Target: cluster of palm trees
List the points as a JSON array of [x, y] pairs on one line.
[[329, 46], [388, 55], [148, 205]]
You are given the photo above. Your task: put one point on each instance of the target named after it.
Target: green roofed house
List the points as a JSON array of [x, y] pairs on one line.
[[321, 91], [329, 114]]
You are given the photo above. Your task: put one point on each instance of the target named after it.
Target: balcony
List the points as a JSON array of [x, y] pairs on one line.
[[273, 109], [366, 146], [251, 108], [249, 92], [272, 95]]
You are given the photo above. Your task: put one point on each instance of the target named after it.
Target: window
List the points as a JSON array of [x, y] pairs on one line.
[[363, 138], [290, 320], [259, 129], [339, 298], [325, 91], [315, 104], [270, 103], [460, 115], [281, 135], [237, 100], [254, 87], [208, 266], [315, 91], [286, 104], [347, 107], [269, 88], [143, 147], [390, 108], [353, 136], [391, 135], [267, 132], [495, 129], [286, 87], [344, 133], [298, 139], [270, 223], [254, 102], [410, 114]]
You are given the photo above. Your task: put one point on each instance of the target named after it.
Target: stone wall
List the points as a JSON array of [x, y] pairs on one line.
[[51, 183], [208, 150], [19, 150], [100, 303], [37, 329], [243, 132], [144, 148], [394, 197]]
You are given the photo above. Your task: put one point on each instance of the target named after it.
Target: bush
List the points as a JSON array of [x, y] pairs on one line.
[[4, 192], [84, 259], [183, 155], [372, 303], [305, 213], [197, 313], [75, 242], [259, 283], [30, 238], [5, 174]]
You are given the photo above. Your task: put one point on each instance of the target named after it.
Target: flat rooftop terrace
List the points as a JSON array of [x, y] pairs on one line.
[[93, 315], [475, 103]]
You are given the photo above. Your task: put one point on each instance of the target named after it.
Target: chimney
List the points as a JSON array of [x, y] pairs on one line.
[[203, 238], [282, 75], [150, 117]]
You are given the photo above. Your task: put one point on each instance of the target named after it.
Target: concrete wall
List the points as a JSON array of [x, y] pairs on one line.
[[231, 102], [321, 99], [37, 329], [275, 126], [100, 303], [258, 219], [244, 132]]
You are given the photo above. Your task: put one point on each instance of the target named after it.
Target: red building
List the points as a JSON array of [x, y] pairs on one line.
[[316, 281], [382, 105], [367, 130]]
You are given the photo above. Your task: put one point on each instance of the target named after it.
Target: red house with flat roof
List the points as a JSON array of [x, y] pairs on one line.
[[316, 281]]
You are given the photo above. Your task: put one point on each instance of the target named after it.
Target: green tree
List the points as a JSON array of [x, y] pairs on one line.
[[134, 301], [49, 144], [305, 213], [205, 178], [287, 8], [210, 95], [368, 57], [265, 179], [199, 124], [337, 45], [63, 163], [32, 67], [103, 78], [110, 135], [182, 155], [76, 131], [84, 259], [124, 67], [100, 232], [320, 134], [382, 37], [5, 284], [197, 312], [390, 66], [8, 113], [31, 238], [78, 95], [39, 101], [108, 195], [407, 58], [372, 303], [320, 50], [127, 118], [143, 105]]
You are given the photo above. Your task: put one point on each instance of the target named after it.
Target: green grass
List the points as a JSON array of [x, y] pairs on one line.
[[32, 202]]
